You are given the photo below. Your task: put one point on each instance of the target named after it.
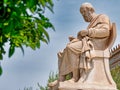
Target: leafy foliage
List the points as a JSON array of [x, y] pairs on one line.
[[116, 76], [52, 77], [23, 23], [30, 88], [42, 88]]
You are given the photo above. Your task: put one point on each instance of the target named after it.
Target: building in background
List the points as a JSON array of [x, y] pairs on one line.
[[115, 57]]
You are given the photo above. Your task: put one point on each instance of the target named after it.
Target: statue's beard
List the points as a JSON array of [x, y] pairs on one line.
[[87, 17]]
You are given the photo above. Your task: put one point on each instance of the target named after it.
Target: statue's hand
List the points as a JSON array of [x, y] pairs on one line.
[[71, 38], [83, 33]]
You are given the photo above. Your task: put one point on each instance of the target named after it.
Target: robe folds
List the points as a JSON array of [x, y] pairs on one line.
[[74, 55]]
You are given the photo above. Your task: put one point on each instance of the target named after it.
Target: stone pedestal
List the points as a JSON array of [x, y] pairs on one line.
[[81, 86], [99, 78]]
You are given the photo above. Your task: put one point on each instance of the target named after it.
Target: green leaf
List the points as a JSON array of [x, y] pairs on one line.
[[14, 14], [42, 3], [8, 10], [0, 25], [50, 8], [11, 50], [38, 44], [1, 39], [22, 49], [5, 1], [1, 56], [0, 70], [53, 27], [45, 33], [51, 3], [44, 40], [5, 24]]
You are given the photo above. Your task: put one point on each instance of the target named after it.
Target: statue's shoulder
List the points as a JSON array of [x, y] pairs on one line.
[[103, 16]]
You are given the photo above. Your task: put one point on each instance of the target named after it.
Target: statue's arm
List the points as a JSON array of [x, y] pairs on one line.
[[102, 28]]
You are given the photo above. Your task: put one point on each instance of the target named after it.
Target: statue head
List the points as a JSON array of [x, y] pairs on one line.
[[87, 10]]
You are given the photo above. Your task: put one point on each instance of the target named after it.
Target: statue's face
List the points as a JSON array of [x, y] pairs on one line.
[[86, 14]]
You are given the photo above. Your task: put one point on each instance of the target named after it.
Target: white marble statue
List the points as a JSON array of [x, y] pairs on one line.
[[86, 58]]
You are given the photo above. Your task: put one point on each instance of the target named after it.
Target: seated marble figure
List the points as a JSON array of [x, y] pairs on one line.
[[86, 57]]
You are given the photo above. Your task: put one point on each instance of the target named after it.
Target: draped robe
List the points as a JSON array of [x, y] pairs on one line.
[[98, 34]]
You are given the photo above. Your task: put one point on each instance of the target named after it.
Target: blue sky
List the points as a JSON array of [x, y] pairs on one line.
[[25, 71]]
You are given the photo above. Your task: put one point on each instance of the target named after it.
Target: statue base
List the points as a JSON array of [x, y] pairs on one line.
[[84, 86]]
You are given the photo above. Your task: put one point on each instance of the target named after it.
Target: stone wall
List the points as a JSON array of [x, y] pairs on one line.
[[115, 56]]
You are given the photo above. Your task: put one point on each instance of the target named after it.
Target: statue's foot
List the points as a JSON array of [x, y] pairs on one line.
[[53, 83], [81, 80]]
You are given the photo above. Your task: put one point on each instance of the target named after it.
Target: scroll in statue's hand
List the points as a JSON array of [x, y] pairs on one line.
[[71, 38], [83, 33]]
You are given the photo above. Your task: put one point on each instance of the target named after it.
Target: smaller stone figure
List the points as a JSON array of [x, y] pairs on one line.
[[86, 58]]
